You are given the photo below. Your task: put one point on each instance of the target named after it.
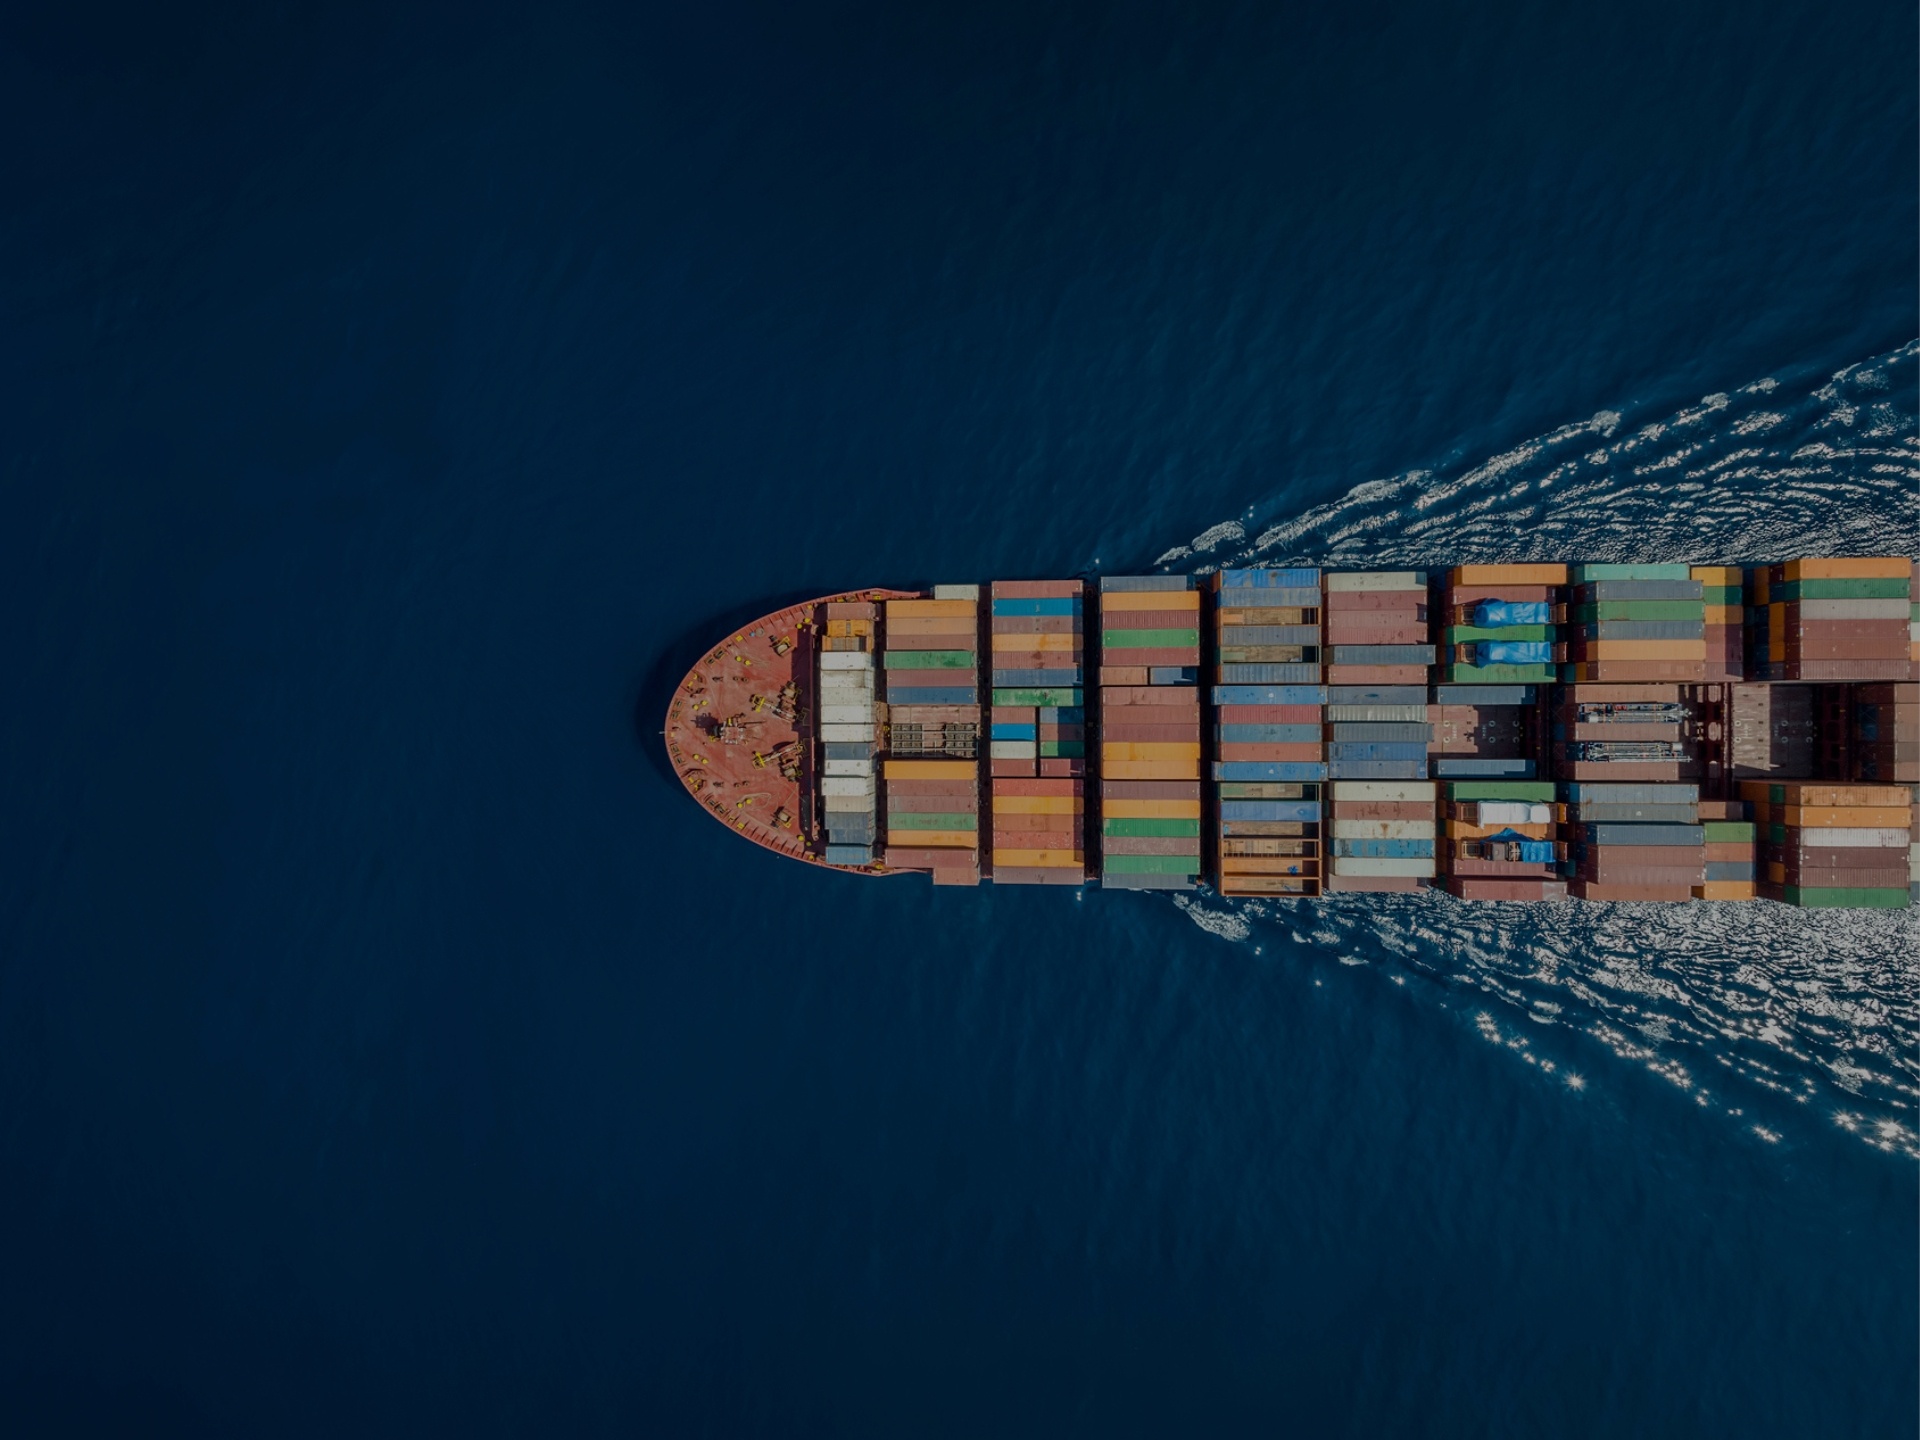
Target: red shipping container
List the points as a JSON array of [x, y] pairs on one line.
[[1116, 675], [1474, 888], [1150, 789], [1350, 602], [1410, 634], [1597, 891], [1177, 656], [1059, 766], [956, 788], [1473, 594], [1165, 697], [1040, 875], [1038, 589], [1041, 787], [1172, 732], [1036, 624]]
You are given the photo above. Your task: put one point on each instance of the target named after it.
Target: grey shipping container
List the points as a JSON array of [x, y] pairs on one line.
[[1474, 767], [1638, 590], [1484, 694], [1376, 714], [1406, 730], [1376, 695], [1643, 834], [1381, 654], [1145, 582]]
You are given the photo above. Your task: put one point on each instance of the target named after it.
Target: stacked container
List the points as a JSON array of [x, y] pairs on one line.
[[1377, 628], [1635, 623], [1500, 841], [1826, 845], [1731, 852], [1376, 726], [933, 726], [1384, 834], [846, 730], [1498, 624], [1149, 732], [1885, 739], [1038, 755], [1633, 840], [1721, 598], [1269, 750], [1847, 619]]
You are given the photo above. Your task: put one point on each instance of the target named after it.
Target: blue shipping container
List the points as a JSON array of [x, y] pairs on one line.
[[1269, 770], [1012, 607], [1272, 694], [1266, 734], [1385, 849], [1304, 810]]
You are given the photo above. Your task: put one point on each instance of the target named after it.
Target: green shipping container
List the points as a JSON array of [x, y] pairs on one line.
[[1582, 574], [1845, 899], [1541, 790], [1062, 749], [1153, 864], [1637, 610], [1467, 634], [1720, 832], [1839, 590], [1025, 696], [1264, 654], [930, 659], [922, 820], [1142, 827], [1155, 639], [1721, 595], [1500, 674]]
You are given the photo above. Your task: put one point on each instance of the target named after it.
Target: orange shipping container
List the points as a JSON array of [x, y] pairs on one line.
[[931, 770], [1508, 575], [929, 609], [1877, 568], [1150, 769], [1113, 600], [1842, 817], [1150, 750]]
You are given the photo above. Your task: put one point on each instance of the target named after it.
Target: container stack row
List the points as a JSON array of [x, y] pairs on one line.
[[1038, 758], [1498, 624], [1633, 840], [1269, 765], [1149, 732], [1730, 852], [1634, 623], [932, 769], [1377, 726], [846, 722], [1500, 841], [1384, 835], [1722, 596], [1833, 620], [1828, 846]]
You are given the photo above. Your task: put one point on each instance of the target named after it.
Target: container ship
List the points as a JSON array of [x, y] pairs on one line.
[[1515, 732]]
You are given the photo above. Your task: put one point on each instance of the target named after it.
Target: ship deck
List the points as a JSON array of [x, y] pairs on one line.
[[739, 730]]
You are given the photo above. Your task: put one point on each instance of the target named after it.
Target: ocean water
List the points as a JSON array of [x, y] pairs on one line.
[[399, 399]]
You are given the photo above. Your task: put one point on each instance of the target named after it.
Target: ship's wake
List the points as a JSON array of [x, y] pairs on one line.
[[1755, 1010]]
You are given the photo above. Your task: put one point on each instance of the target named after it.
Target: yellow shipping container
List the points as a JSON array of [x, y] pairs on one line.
[[935, 839], [1843, 817], [1644, 650], [1039, 805], [1150, 750], [1890, 567], [932, 770], [1726, 890], [929, 609], [1826, 792], [1508, 575], [1150, 769], [1723, 615], [1460, 830], [839, 628], [1037, 644], [1152, 809], [1041, 859], [1717, 576], [903, 628], [1148, 600]]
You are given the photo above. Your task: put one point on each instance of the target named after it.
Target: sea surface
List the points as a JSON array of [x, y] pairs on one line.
[[397, 399]]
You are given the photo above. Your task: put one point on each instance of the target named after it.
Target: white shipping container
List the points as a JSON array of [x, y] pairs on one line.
[[1015, 750], [848, 804], [847, 680], [1405, 791], [846, 660], [1854, 839], [1384, 829], [1375, 580], [846, 785], [838, 768], [1913, 860], [846, 714], [956, 592], [847, 734], [1506, 812], [1366, 865], [1854, 609]]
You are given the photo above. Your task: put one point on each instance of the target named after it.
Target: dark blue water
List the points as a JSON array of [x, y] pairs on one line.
[[397, 399]]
